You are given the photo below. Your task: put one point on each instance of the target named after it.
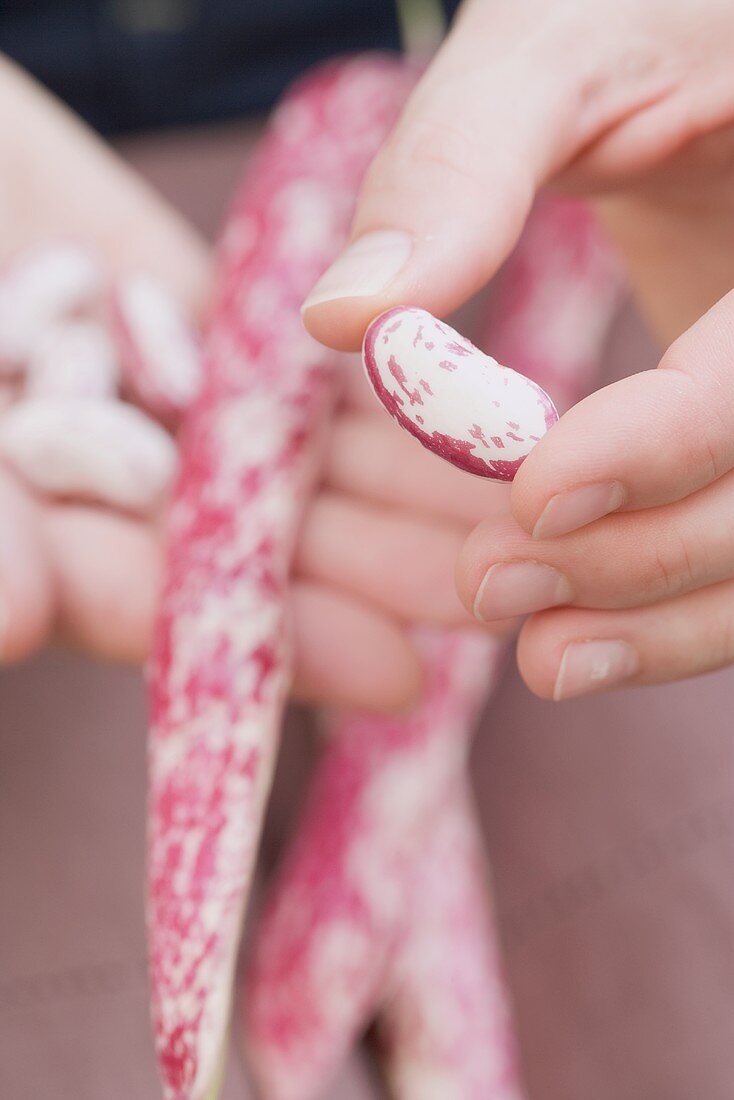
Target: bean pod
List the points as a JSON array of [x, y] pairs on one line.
[[220, 670]]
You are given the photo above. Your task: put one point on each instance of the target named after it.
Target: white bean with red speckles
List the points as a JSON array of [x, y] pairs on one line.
[[456, 401], [96, 450], [37, 289], [161, 354], [73, 359]]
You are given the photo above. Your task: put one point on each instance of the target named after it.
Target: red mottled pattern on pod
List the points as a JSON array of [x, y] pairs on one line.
[[40, 287], [301, 1014], [445, 1027], [161, 354], [343, 895], [73, 358], [220, 669], [456, 401], [90, 449]]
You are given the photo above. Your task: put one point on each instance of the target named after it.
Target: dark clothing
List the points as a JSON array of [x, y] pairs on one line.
[[132, 64]]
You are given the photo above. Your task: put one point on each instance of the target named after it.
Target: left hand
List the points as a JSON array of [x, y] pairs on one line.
[[378, 540], [624, 523]]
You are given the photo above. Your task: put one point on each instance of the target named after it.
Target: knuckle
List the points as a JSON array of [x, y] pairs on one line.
[[705, 427], [675, 565], [421, 145]]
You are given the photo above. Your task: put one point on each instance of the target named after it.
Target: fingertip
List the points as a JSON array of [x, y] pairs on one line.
[[26, 607], [539, 476], [476, 555], [539, 655], [340, 323]]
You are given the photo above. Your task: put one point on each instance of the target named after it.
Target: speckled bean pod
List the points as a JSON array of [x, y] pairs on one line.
[[321, 959], [220, 670], [562, 281], [445, 1025]]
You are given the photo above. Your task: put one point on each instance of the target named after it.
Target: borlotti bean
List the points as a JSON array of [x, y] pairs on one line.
[[456, 401], [160, 351], [336, 892], [38, 288], [73, 359], [221, 666], [88, 449]]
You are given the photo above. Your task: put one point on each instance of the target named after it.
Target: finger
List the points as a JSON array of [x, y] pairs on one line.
[[621, 561], [26, 589], [107, 571], [445, 199], [347, 654], [369, 457], [405, 566], [566, 653], [650, 439]]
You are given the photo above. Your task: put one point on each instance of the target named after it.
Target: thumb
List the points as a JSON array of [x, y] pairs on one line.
[[445, 199]]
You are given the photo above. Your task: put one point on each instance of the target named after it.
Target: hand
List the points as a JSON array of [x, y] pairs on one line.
[[629, 497], [379, 540], [88, 574], [624, 517]]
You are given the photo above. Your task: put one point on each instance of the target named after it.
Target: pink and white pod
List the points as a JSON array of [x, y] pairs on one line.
[[458, 402], [445, 1024]]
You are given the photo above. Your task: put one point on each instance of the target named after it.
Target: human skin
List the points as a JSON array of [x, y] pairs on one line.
[[618, 517]]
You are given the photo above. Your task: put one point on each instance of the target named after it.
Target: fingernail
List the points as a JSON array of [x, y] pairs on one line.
[[593, 666], [519, 588], [575, 508], [366, 267]]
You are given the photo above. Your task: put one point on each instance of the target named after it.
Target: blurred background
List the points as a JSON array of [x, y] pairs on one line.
[[608, 820]]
